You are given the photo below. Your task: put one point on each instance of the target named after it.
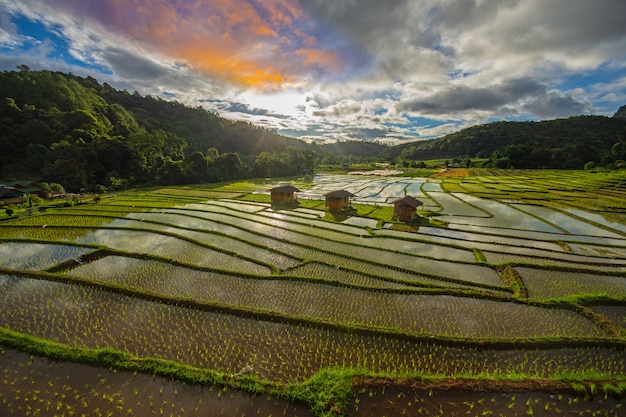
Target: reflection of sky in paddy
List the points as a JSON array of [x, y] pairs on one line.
[[393, 191], [597, 218], [429, 186], [174, 219], [238, 206], [414, 188], [503, 226], [25, 289], [361, 221], [36, 256], [368, 189], [126, 240], [467, 212], [529, 234], [566, 222], [455, 235], [456, 207], [503, 216]]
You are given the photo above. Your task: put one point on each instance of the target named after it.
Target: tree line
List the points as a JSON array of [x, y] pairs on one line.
[[571, 143], [74, 131], [70, 130]]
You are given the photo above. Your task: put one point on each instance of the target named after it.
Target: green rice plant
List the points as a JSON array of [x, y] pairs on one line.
[[279, 351], [548, 283], [67, 220], [342, 305], [54, 234], [276, 233], [345, 276]]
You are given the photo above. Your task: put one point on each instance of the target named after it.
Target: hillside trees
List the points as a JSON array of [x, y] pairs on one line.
[[62, 128], [561, 144]]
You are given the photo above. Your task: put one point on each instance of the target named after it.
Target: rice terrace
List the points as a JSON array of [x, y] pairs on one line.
[[506, 297]]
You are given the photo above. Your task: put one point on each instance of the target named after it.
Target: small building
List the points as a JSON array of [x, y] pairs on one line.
[[285, 194], [338, 200], [406, 207], [27, 187], [11, 195]]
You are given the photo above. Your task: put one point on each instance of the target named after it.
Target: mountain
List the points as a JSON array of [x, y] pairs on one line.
[[562, 143], [61, 128], [76, 132]]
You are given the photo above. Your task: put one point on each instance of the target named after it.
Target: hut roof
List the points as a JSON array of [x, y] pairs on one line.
[[284, 189], [411, 201], [340, 194], [10, 192], [23, 184]]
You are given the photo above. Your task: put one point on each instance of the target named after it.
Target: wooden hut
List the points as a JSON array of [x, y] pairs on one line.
[[285, 194], [11, 195], [406, 207], [27, 187], [338, 200]]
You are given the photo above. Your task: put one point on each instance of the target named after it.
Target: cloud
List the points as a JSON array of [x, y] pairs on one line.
[[327, 69], [8, 31], [459, 98], [132, 66], [245, 42], [555, 104]]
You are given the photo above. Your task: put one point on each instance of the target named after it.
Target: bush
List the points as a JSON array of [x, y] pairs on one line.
[[9, 212]]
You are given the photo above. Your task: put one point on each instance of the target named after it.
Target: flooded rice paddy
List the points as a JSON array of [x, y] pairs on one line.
[[520, 276]]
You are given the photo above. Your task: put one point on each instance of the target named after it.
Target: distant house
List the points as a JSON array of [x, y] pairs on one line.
[[285, 194], [338, 200], [406, 207], [27, 187], [11, 195]]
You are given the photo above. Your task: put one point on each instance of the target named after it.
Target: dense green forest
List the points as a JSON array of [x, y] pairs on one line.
[[571, 143], [74, 131]]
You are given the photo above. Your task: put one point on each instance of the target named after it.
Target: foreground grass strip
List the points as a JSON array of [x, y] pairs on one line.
[[115, 359], [327, 393]]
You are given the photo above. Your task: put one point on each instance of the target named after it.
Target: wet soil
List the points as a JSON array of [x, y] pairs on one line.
[[386, 397], [35, 386]]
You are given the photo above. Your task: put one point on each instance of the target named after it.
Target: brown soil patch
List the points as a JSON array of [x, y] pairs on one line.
[[452, 172], [459, 397]]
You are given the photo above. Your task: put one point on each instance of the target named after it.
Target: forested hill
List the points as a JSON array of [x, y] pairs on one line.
[[562, 143], [75, 131], [61, 128]]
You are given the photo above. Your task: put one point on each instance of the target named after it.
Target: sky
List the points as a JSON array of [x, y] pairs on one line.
[[326, 70]]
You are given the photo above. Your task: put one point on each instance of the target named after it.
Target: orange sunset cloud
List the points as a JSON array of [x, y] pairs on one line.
[[252, 43]]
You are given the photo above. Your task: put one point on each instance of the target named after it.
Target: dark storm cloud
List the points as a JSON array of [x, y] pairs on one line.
[[555, 104], [463, 98], [132, 66]]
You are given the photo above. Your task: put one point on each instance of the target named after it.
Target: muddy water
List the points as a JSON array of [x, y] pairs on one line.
[[31, 385], [379, 402]]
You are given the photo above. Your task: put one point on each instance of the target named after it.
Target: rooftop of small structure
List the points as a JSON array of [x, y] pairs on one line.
[[411, 201], [284, 189], [339, 193]]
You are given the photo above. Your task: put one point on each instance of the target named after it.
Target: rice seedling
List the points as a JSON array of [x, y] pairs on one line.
[[249, 291], [548, 283]]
